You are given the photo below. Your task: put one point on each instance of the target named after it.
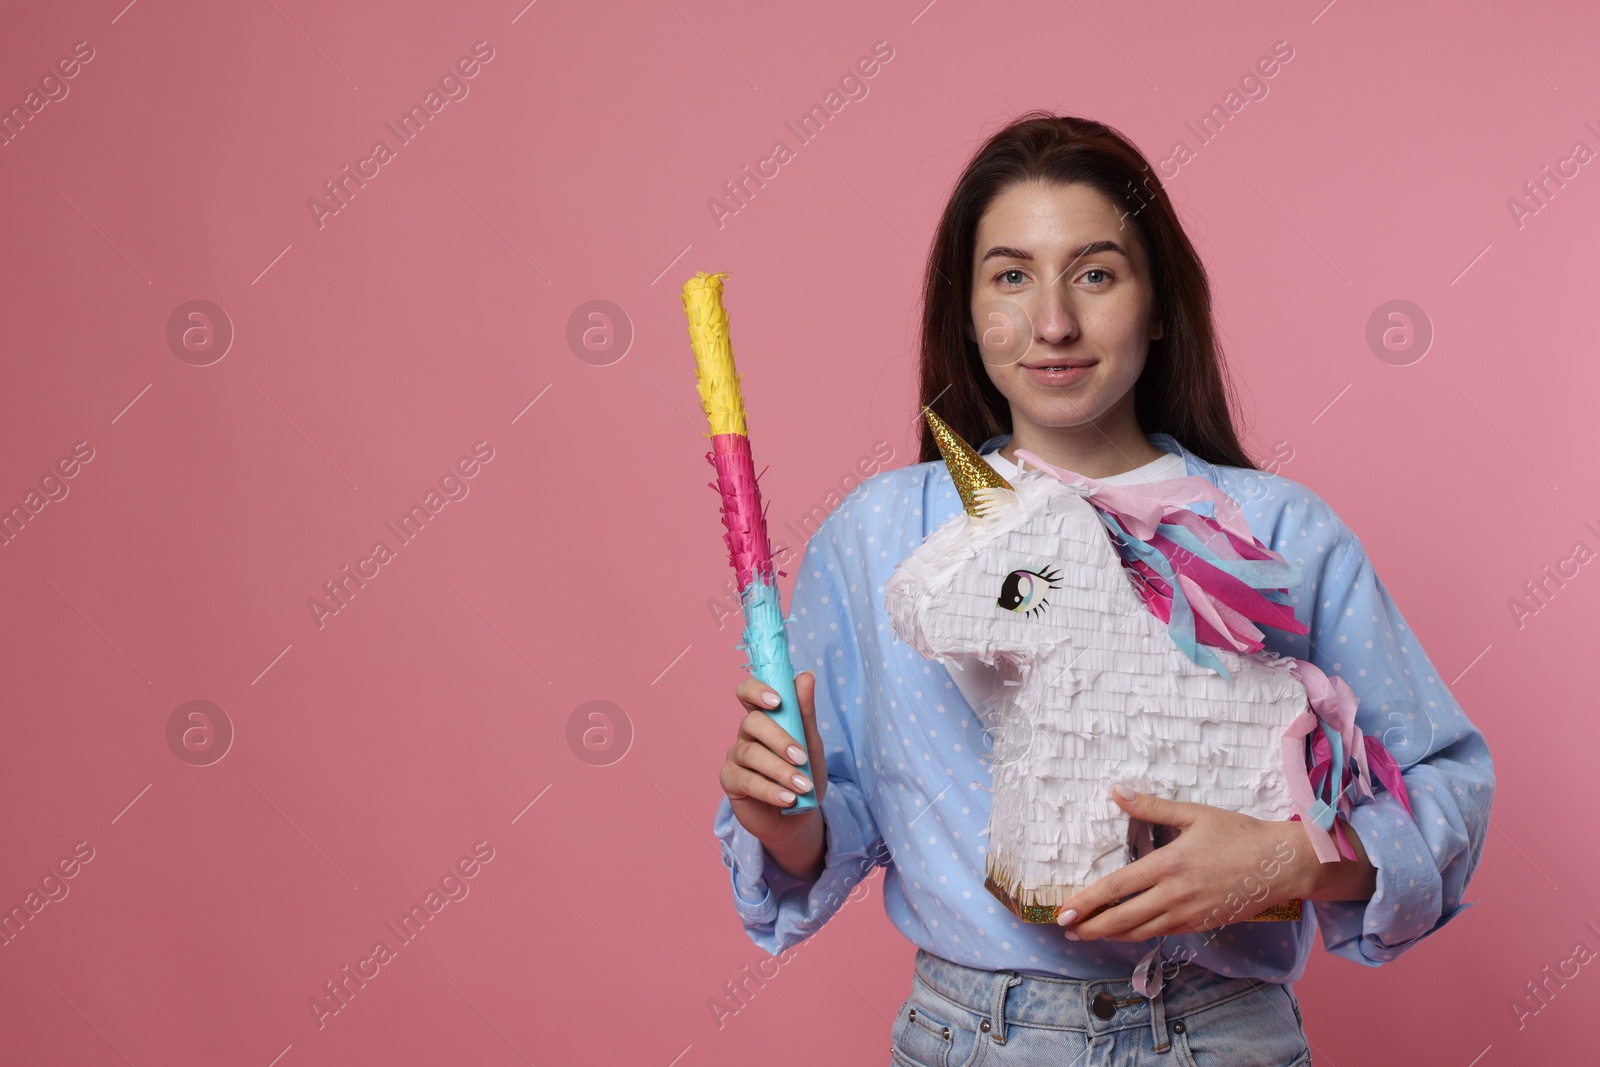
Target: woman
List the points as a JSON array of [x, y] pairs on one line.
[[1067, 313]]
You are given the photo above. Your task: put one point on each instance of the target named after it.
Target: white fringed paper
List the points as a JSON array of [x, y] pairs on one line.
[[1102, 696]]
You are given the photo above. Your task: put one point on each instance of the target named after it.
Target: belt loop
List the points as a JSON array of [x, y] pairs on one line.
[[1158, 1020], [997, 1009]]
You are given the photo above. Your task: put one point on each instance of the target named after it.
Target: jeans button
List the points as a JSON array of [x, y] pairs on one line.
[[1178, 1027], [1104, 1005], [983, 1027]]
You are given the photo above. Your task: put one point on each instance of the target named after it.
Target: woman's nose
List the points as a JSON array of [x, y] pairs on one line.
[[1054, 320]]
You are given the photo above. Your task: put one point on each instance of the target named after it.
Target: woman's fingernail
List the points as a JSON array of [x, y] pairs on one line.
[[802, 783], [786, 796], [769, 698], [1125, 793], [1072, 936], [1067, 916], [796, 755]]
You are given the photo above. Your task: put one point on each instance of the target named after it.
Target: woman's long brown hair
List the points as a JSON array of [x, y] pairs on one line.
[[1183, 391]]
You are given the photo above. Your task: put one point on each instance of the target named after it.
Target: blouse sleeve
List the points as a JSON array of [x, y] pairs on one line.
[[1424, 860], [777, 909]]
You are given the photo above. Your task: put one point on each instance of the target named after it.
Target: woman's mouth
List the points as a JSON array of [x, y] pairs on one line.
[[1058, 374]]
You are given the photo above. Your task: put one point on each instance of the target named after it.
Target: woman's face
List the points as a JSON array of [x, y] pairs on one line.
[[1062, 305]]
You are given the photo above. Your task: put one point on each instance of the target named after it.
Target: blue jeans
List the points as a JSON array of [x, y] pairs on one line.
[[960, 1017]]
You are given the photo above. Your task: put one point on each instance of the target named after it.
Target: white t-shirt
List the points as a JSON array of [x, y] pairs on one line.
[[1170, 465], [976, 679]]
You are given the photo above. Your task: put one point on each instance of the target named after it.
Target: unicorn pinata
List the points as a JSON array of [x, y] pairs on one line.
[[1125, 626]]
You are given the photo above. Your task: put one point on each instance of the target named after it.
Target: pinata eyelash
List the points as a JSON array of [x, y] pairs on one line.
[[1023, 591]]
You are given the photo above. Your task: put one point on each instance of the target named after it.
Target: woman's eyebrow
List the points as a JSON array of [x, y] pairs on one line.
[[1007, 252]]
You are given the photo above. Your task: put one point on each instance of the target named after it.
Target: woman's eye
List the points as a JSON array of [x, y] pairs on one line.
[[1024, 591], [1007, 273], [1097, 270]]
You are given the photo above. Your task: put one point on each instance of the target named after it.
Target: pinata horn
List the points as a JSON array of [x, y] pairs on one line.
[[967, 469]]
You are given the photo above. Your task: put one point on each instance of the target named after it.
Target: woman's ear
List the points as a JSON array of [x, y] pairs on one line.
[[1158, 328]]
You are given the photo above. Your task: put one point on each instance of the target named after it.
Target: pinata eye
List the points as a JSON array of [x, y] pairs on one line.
[[1023, 591]]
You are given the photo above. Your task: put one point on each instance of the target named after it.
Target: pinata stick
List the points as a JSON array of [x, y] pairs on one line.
[[749, 550]]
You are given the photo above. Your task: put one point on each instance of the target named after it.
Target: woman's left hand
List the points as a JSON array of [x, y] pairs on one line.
[[1222, 867]]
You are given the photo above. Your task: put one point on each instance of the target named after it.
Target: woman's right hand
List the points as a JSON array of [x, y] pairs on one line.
[[759, 777]]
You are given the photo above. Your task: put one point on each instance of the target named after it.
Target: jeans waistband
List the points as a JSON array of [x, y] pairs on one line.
[[1006, 997]]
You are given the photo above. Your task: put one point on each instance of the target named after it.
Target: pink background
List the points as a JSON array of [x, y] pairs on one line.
[[372, 753]]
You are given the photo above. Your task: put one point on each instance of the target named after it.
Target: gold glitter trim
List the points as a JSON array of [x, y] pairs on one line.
[[1285, 910], [967, 469]]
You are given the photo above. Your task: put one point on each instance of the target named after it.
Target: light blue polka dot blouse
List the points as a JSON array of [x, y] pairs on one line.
[[908, 784]]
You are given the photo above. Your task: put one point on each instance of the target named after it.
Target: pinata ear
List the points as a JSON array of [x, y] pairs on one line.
[[975, 480]]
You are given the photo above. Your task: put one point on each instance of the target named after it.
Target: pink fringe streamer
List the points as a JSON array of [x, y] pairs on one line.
[[1333, 704], [742, 514]]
